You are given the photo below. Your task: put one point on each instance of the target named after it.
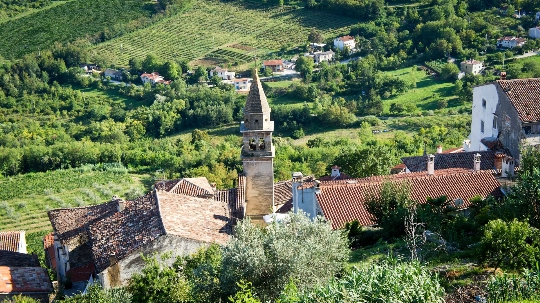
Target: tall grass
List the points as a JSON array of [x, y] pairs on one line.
[[515, 287], [389, 281]]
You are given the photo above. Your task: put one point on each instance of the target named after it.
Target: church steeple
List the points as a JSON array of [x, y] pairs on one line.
[[258, 153]]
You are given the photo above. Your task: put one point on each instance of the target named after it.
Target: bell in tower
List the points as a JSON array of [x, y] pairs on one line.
[[258, 153]]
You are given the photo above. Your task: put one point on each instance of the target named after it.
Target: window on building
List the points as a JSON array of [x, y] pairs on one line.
[[482, 126], [484, 102], [494, 122]]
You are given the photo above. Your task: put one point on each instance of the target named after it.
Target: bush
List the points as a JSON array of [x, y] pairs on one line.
[[96, 294], [515, 288], [389, 281], [307, 252], [20, 299], [389, 208], [510, 244]]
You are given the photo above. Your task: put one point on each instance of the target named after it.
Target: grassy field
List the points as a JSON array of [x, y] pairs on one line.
[[66, 22], [211, 28], [25, 199], [427, 92]]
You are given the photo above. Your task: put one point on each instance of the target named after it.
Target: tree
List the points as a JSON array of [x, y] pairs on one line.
[[170, 70], [449, 71], [96, 294], [371, 160], [390, 206], [511, 244], [150, 63], [315, 36], [299, 249], [304, 65], [158, 283]]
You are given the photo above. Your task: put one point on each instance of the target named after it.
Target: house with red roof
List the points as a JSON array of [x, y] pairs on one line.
[[153, 78], [345, 41], [510, 42], [275, 65]]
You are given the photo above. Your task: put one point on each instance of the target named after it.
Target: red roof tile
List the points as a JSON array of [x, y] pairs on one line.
[[524, 94], [344, 201], [272, 62], [24, 279], [13, 241]]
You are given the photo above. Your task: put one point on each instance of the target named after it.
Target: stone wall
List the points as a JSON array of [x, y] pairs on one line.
[[119, 274], [508, 123], [259, 174]]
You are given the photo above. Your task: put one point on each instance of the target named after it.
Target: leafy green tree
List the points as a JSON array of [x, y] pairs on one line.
[[389, 207], [315, 36], [170, 70], [304, 65], [305, 251], [157, 283], [150, 63], [449, 71], [96, 294], [510, 244], [371, 160], [22, 299]]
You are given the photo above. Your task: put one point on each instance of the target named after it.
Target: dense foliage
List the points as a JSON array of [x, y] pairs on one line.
[[96, 294], [515, 287]]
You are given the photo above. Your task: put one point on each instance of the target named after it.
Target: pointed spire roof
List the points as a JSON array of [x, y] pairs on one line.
[[256, 101]]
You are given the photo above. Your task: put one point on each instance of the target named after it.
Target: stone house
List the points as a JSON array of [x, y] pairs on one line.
[[505, 112], [472, 66], [113, 74], [345, 41]]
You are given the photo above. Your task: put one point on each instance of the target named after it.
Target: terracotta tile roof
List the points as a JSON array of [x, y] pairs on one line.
[[16, 259], [452, 160], [50, 252], [342, 176], [472, 61], [195, 187], [272, 62], [283, 195], [24, 279], [346, 38], [344, 201], [234, 198], [81, 273], [200, 219], [69, 223], [166, 185], [153, 76], [524, 94], [13, 241], [124, 232]]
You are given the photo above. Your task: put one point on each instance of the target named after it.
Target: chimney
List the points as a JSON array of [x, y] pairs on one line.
[[297, 180], [335, 171], [121, 203], [431, 164], [466, 145], [213, 185], [439, 149], [317, 186], [503, 75], [508, 166], [476, 165]]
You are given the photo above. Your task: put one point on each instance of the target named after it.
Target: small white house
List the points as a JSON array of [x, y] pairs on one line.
[[510, 42], [242, 84], [222, 73], [472, 66], [534, 32], [345, 41], [319, 57], [153, 78]]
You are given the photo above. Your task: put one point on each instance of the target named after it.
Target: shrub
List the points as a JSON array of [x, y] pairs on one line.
[[307, 252], [389, 281], [389, 207], [20, 299], [515, 288], [510, 244], [96, 294]]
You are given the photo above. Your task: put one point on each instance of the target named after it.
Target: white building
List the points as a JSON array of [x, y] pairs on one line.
[[510, 42], [345, 41], [153, 78], [242, 84], [222, 73], [534, 32], [472, 66], [319, 57]]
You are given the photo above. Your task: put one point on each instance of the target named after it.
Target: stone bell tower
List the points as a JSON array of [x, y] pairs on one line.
[[258, 153]]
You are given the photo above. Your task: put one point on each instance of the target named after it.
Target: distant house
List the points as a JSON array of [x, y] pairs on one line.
[[472, 66], [113, 74], [222, 73], [319, 57], [241, 84], [345, 41], [90, 68], [534, 32], [274, 65], [153, 78], [510, 42], [20, 273]]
